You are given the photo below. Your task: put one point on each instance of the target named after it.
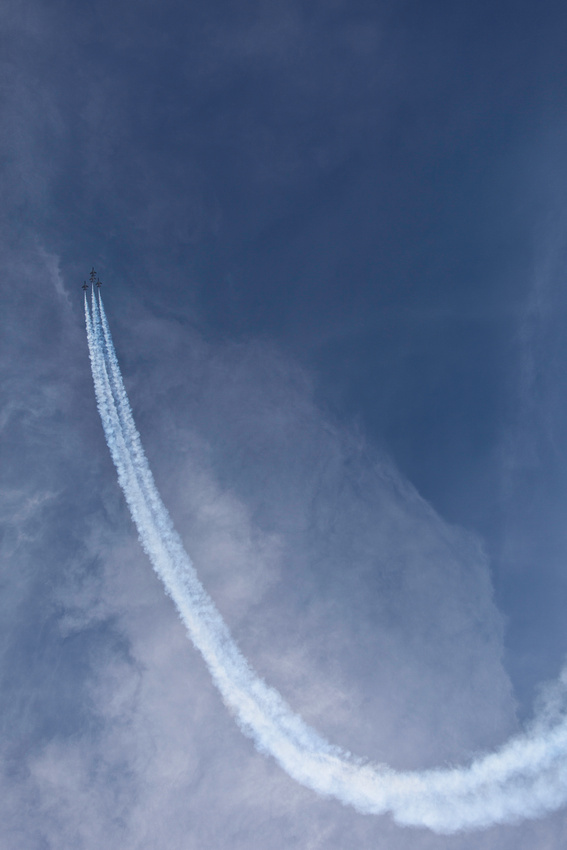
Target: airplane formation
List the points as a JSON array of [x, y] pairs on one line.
[[93, 282]]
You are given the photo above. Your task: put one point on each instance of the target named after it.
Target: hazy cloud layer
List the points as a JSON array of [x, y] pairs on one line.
[[305, 537]]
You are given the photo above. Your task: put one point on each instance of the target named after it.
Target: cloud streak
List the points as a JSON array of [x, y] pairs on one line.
[[524, 779]]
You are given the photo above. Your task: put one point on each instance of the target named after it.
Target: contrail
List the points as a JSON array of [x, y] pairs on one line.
[[526, 778]]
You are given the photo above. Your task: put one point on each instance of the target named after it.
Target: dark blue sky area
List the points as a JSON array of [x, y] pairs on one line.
[[354, 181]]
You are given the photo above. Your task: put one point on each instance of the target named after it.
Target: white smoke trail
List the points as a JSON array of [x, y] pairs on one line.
[[525, 778]]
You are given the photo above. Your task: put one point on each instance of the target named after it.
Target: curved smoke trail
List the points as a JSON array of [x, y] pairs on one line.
[[525, 778]]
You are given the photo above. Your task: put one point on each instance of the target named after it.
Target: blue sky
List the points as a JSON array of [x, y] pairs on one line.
[[331, 239]]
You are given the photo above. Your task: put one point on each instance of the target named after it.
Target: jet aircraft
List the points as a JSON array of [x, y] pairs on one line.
[[85, 286]]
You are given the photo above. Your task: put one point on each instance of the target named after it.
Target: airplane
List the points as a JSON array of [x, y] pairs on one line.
[[92, 275], [98, 283], [85, 286]]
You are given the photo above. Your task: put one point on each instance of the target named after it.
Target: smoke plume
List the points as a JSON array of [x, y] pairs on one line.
[[525, 778]]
